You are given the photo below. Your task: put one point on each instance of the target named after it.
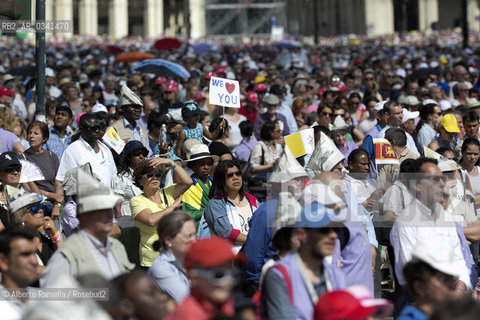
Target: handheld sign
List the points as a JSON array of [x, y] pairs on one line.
[[301, 142], [384, 153], [113, 140], [224, 92]]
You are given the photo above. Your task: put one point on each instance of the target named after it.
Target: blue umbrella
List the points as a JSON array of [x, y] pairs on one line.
[[162, 67], [202, 48], [287, 44]]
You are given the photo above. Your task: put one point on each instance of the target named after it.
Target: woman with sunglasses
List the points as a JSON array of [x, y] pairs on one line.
[[47, 161], [133, 154], [230, 208], [176, 233], [155, 202], [27, 211], [10, 169]]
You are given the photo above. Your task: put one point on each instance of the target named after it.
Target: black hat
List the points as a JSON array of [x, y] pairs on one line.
[[133, 146], [277, 89], [8, 160]]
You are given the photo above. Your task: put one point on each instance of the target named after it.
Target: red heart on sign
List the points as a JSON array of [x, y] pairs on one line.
[[230, 87]]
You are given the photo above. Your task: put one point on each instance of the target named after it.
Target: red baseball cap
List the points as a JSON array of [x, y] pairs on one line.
[[321, 91], [160, 80], [5, 92], [252, 96], [221, 70], [199, 97], [210, 253], [340, 304], [172, 86], [260, 87], [210, 74]]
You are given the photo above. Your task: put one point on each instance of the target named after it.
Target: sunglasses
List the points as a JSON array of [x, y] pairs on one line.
[[369, 79], [13, 168], [136, 107], [217, 276], [36, 208], [150, 175], [93, 128], [329, 114], [231, 174], [139, 152], [85, 105]]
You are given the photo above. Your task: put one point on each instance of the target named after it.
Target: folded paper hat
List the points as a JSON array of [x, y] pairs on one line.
[[288, 210], [70, 182], [325, 156], [18, 199], [339, 124], [288, 168], [379, 106], [444, 164], [92, 195], [128, 98]]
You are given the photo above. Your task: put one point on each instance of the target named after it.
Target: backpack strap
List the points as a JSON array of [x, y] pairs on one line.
[[286, 277]]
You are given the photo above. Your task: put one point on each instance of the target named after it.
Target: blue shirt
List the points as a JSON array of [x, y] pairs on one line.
[[258, 246], [411, 313], [169, 276], [56, 144]]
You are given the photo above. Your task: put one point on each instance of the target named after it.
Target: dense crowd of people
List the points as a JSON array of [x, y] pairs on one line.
[[203, 212]]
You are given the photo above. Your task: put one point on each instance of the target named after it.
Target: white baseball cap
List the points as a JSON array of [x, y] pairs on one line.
[[407, 115]]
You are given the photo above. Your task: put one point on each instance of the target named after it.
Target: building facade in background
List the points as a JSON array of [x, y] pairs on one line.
[[199, 18]]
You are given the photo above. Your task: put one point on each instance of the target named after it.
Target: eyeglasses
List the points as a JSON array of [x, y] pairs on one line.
[[93, 128], [150, 175], [327, 114], [13, 168], [36, 208], [231, 174], [139, 152], [217, 276]]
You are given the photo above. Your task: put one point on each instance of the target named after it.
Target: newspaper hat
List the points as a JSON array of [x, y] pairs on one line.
[[339, 124], [288, 168], [287, 212], [444, 164], [92, 195], [379, 105], [128, 98], [325, 156], [18, 199], [439, 256], [70, 182]]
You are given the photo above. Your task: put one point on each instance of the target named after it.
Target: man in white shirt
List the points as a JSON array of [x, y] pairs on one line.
[[88, 149], [424, 219], [18, 265], [395, 117]]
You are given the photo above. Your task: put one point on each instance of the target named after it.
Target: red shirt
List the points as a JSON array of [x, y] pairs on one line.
[[250, 115], [195, 307]]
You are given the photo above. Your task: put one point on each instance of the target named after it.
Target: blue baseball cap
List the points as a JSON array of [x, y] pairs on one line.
[[190, 109], [316, 215]]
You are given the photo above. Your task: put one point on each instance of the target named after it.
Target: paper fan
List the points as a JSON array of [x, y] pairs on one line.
[[30, 172]]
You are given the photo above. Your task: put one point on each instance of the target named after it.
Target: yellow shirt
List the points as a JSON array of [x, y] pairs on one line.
[[148, 235]]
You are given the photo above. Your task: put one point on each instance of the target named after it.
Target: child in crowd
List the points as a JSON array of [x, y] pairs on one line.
[[194, 129]]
